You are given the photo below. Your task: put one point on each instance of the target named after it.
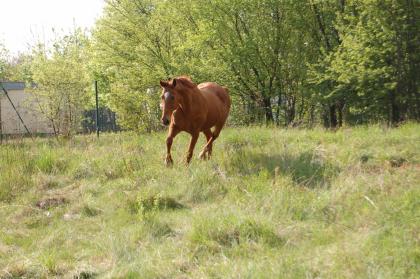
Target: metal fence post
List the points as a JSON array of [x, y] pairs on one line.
[[1, 125], [97, 108]]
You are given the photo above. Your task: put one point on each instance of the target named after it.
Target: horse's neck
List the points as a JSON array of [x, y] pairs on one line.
[[187, 102]]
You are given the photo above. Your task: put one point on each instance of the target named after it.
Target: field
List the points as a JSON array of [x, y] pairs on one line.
[[272, 203]]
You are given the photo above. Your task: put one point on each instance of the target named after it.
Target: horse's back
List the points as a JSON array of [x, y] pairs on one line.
[[211, 89]]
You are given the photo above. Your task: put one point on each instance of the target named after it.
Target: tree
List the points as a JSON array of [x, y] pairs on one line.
[[132, 50], [20, 68], [62, 81], [4, 63], [342, 61], [373, 66]]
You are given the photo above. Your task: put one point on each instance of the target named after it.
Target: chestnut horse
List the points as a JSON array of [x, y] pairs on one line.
[[193, 108]]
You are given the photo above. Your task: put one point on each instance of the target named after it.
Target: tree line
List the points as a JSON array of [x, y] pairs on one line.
[[286, 63]]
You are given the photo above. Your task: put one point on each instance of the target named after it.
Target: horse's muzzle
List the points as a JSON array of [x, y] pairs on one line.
[[165, 121]]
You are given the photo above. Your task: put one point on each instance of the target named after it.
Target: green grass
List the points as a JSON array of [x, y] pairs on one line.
[[271, 203]]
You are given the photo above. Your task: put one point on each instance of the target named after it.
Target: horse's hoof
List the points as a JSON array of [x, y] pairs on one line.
[[202, 156], [169, 162]]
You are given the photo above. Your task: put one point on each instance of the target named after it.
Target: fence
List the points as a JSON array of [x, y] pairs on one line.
[[20, 116]]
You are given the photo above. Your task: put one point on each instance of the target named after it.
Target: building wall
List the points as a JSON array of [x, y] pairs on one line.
[[28, 110]]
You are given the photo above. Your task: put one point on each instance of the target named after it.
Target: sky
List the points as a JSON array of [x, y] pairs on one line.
[[24, 22]]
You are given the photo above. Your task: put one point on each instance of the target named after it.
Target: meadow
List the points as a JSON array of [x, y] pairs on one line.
[[271, 203]]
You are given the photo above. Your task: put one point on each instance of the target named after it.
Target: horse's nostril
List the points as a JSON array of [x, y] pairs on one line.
[[165, 121]]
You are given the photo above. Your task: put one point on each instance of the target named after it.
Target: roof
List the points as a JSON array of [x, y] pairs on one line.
[[11, 85]]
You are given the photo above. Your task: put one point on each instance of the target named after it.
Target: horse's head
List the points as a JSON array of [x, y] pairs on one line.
[[169, 100]]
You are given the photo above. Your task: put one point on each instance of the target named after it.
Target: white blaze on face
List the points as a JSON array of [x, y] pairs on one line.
[[168, 96]]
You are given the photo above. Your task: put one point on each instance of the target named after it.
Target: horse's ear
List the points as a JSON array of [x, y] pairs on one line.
[[164, 83], [174, 82]]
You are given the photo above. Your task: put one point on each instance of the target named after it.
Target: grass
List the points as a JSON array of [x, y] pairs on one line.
[[271, 203]]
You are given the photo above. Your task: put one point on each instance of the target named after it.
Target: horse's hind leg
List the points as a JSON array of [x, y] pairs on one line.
[[214, 135], [203, 155]]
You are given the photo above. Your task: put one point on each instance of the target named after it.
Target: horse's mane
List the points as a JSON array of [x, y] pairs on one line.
[[186, 82]]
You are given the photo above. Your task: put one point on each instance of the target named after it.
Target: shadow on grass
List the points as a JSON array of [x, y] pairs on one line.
[[305, 169]]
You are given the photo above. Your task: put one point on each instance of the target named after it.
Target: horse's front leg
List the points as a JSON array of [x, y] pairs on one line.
[[173, 131], [194, 138]]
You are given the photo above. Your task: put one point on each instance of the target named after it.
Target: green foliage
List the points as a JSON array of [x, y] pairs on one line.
[[62, 81], [3, 62], [371, 67], [130, 52], [345, 61], [21, 68], [285, 62], [223, 41]]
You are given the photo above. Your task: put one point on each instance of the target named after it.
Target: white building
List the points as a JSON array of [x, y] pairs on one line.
[[27, 107]]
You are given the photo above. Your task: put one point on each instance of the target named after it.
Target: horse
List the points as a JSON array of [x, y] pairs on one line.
[[193, 108]]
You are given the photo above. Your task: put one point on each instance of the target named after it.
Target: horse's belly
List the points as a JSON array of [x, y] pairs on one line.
[[215, 116], [208, 125]]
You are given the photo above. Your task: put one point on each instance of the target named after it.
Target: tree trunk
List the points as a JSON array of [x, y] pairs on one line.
[[268, 111], [333, 116], [311, 115], [291, 110], [325, 118], [340, 108], [394, 112]]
